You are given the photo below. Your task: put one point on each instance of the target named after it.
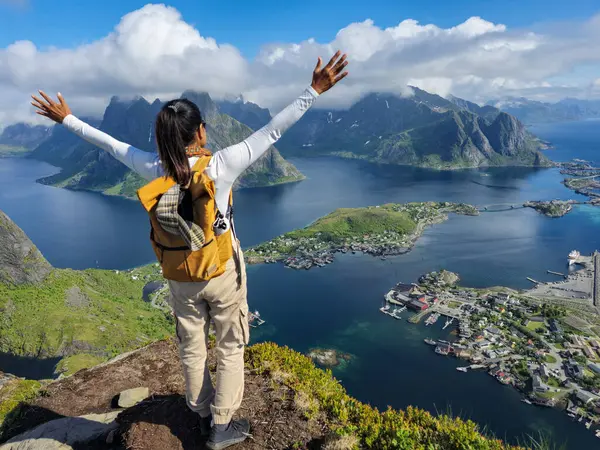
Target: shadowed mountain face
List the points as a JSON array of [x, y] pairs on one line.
[[423, 130], [246, 112], [24, 135], [20, 261], [88, 168]]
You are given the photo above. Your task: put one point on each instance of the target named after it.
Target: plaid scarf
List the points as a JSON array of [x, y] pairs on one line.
[[173, 223]]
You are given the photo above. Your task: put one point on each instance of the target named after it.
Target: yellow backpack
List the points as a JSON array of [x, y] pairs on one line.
[[178, 261]]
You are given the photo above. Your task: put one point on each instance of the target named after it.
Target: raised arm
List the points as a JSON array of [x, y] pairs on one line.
[[229, 163], [145, 164]]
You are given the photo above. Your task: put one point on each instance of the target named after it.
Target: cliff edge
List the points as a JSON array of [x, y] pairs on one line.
[[20, 260]]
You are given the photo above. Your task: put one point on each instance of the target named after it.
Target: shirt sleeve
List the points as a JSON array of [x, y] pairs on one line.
[[145, 164], [228, 164]]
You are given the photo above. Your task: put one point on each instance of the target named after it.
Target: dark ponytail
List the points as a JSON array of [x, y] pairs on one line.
[[176, 126]]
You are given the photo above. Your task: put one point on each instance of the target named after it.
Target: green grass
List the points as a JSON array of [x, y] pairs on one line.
[[454, 304], [74, 363], [12, 394], [411, 428], [550, 359], [350, 222], [535, 326], [553, 382], [109, 319]]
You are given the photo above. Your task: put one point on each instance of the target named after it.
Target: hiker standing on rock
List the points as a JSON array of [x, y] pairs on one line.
[[192, 233]]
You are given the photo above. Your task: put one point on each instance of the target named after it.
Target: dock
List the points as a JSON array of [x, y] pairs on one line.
[[395, 313], [448, 323], [533, 281], [557, 273]]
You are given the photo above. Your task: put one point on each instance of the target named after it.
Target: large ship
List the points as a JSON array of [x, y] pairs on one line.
[[573, 257]]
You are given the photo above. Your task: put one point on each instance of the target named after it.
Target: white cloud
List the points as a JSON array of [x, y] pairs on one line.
[[153, 52]]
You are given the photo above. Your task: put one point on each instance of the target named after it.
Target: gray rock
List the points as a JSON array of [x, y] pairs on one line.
[[63, 434], [75, 298], [133, 396], [20, 261]]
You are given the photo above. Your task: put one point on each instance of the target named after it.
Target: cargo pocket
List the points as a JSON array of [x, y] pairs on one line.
[[244, 325], [178, 330]]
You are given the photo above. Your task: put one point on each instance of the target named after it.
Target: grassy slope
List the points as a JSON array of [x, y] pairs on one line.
[[412, 428], [349, 222], [103, 316]]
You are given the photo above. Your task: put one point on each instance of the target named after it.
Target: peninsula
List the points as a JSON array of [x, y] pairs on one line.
[[389, 229]]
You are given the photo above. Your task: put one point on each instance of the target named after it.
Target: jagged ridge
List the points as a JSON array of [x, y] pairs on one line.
[[88, 168], [424, 130]]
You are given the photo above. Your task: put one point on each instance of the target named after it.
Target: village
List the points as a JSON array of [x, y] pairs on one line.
[[534, 346]]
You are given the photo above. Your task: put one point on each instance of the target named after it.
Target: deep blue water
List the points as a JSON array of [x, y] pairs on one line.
[[580, 138], [337, 306]]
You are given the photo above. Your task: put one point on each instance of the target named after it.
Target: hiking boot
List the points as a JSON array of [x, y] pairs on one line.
[[205, 424], [223, 436]]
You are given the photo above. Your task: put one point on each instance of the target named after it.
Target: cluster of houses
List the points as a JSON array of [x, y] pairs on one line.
[[412, 297]]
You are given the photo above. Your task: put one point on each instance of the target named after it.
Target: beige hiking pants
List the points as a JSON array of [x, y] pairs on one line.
[[222, 299]]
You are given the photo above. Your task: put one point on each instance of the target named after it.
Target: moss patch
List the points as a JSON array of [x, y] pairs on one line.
[[12, 394]]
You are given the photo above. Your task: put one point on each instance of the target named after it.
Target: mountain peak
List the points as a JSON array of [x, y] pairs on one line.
[[203, 100]]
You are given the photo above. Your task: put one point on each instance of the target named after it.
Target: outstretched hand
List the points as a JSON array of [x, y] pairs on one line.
[[327, 77], [50, 109]]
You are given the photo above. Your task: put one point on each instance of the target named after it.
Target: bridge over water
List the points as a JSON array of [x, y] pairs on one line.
[[497, 207]]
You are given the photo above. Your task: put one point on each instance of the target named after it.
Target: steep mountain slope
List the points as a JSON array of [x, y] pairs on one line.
[[24, 135], [20, 261], [532, 112], [423, 130], [488, 112], [82, 317], [88, 168], [247, 113]]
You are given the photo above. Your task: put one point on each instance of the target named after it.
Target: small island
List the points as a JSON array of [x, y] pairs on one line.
[[328, 357], [385, 230], [553, 208]]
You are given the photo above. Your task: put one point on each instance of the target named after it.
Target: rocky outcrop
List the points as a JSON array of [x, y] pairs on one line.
[[20, 260], [65, 434]]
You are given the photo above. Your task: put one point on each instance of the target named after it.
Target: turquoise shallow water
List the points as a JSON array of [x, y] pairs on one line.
[[337, 306]]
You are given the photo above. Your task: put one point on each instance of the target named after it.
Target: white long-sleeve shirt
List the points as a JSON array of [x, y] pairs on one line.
[[225, 165]]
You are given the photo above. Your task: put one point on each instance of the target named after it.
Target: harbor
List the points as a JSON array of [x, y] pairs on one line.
[[544, 341]]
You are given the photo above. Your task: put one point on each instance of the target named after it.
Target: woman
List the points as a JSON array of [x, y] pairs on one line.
[[189, 203]]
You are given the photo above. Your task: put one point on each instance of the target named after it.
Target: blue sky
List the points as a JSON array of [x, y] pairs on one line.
[[480, 50], [249, 24]]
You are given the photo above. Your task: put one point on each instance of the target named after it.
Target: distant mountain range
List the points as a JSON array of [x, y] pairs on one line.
[[533, 112], [87, 168], [21, 137], [422, 130]]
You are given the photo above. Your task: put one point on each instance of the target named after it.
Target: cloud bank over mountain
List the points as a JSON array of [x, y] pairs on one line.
[[154, 52]]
